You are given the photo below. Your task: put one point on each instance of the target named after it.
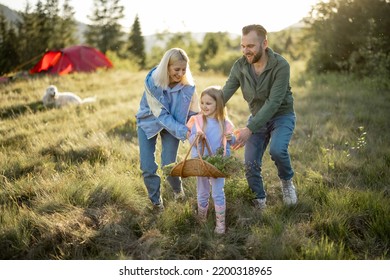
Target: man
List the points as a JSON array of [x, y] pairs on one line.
[[264, 80]]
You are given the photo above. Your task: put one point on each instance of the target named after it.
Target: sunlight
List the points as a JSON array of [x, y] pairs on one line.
[[202, 16]]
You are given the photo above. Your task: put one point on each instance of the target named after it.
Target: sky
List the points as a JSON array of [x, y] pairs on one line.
[[158, 16]]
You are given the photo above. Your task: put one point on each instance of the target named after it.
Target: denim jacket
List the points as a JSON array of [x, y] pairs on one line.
[[174, 113]]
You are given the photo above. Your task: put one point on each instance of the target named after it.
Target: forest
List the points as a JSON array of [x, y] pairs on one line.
[[339, 36], [70, 183]]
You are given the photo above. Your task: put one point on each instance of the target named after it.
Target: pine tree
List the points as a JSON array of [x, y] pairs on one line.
[[32, 39], [8, 47], [68, 25], [105, 31], [51, 26], [136, 44], [44, 29]]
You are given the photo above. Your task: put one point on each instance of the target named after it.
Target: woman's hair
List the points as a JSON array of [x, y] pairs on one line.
[[215, 92], [260, 30], [161, 76]]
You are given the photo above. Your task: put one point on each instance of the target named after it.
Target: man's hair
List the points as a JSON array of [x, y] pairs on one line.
[[260, 30]]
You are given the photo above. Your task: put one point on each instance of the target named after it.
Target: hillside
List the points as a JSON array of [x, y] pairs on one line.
[[10, 15], [71, 188]]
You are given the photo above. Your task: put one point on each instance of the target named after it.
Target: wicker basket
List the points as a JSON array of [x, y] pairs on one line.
[[196, 166]]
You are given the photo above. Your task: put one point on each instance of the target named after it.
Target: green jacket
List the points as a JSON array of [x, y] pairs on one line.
[[269, 98]]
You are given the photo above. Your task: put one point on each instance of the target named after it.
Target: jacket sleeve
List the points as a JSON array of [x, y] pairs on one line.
[[231, 85], [174, 127], [159, 109]]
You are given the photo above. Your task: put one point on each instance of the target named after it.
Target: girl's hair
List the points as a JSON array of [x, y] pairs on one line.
[[161, 76], [215, 92]]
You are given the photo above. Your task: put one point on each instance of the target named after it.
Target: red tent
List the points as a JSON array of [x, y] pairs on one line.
[[72, 59]]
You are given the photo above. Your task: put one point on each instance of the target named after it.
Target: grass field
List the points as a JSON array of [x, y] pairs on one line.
[[71, 186]]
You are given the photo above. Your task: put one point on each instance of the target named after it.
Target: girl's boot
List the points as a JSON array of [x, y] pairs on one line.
[[220, 219], [202, 213]]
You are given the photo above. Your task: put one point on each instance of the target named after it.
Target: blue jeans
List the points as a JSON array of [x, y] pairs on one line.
[[147, 148], [278, 132]]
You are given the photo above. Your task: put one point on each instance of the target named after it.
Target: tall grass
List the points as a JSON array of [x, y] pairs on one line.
[[71, 186]]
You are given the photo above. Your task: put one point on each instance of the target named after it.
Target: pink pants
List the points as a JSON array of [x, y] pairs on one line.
[[216, 185]]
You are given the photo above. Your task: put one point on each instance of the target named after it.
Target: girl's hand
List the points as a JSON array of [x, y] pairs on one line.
[[200, 134]]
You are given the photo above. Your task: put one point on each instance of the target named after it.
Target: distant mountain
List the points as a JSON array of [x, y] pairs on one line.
[[13, 17], [160, 41], [298, 25], [10, 15]]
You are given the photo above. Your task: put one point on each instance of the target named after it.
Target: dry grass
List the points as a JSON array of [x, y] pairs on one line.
[[71, 186]]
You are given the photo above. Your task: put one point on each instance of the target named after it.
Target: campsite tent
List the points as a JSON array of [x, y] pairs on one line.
[[72, 59]]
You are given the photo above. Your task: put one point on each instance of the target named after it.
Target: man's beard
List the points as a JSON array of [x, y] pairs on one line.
[[258, 56]]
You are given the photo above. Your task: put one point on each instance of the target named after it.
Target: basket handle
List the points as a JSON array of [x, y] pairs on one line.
[[204, 143]]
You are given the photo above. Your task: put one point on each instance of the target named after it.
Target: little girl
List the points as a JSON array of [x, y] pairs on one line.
[[213, 125]]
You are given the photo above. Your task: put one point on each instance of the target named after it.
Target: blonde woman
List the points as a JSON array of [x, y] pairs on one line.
[[169, 99]]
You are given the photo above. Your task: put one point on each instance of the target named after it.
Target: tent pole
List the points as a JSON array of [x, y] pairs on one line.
[[31, 60]]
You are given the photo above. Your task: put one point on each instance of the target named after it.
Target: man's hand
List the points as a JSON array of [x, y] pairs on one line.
[[242, 135]]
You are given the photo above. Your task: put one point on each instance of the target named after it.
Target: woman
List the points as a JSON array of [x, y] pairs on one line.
[[168, 101]]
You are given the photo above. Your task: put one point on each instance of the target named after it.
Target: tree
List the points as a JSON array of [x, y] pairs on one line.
[[105, 32], [8, 47], [32, 37], [218, 53], [351, 35], [68, 25], [209, 50], [184, 41], [38, 31], [136, 44], [44, 29]]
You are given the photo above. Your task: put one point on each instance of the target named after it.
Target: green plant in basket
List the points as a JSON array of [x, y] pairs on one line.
[[227, 165]]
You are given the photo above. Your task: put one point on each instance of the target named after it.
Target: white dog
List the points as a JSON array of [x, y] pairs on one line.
[[60, 99]]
